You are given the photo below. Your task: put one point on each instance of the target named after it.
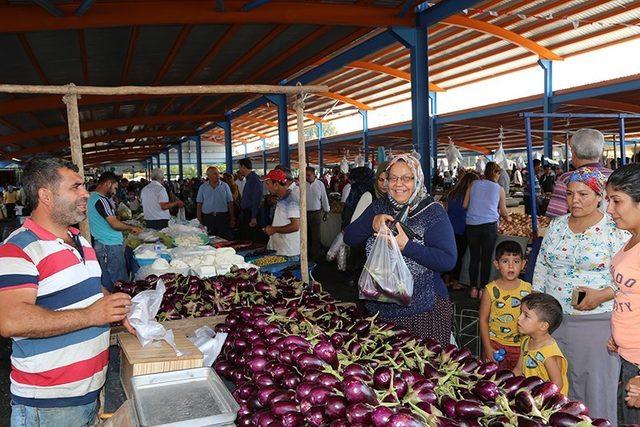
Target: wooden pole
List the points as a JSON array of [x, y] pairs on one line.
[[302, 167], [73, 120], [72, 89]]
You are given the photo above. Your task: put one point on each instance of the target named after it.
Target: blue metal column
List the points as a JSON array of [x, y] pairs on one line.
[[365, 134], [264, 156], [416, 40], [228, 149], [198, 140], [166, 153], [623, 151], [320, 149], [158, 160], [180, 166], [245, 149], [548, 106], [532, 187], [280, 101]]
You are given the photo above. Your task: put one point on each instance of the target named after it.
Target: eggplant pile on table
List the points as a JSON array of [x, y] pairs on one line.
[[191, 296], [330, 366]]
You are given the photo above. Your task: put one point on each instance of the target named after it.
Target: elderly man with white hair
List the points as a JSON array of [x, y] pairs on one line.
[[586, 150], [215, 205], [155, 202]]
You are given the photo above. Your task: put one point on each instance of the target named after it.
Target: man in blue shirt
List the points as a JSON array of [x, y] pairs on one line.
[[251, 199], [106, 230], [215, 206]]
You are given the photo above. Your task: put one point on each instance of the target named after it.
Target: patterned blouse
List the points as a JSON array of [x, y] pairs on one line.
[[569, 260]]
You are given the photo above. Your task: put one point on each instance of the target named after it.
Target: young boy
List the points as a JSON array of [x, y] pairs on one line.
[[500, 306], [541, 356]]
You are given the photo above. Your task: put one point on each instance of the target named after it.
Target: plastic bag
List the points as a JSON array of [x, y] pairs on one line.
[[344, 165], [124, 213], [386, 277], [181, 216], [480, 165], [209, 343], [454, 158], [500, 157], [343, 254], [142, 317], [332, 253]]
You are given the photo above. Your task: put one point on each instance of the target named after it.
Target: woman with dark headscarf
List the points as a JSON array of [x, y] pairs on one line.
[[361, 182], [430, 252]]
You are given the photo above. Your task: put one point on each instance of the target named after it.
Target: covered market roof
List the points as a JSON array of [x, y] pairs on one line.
[[113, 43]]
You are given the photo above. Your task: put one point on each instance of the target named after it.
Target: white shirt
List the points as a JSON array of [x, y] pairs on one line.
[[295, 190], [317, 196], [286, 244], [152, 195], [240, 183], [345, 192]]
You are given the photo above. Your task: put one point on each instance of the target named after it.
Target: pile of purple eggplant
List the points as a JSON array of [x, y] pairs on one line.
[[191, 296], [330, 366]]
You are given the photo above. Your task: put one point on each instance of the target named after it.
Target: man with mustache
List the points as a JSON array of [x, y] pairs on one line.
[[56, 311]]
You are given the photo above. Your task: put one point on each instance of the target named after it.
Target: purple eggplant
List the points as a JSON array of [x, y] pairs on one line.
[[326, 352], [258, 363], [308, 361], [282, 407], [319, 395], [404, 420], [543, 392], [528, 422], [304, 389], [342, 422], [530, 382], [359, 413], [380, 416], [292, 419], [575, 408], [356, 391], [556, 402], [336, 407], [502, 375], [315, 416], [448, 406], [486, 390], [600, 422], [511, 385], [524, 402], [468, 409], [563, 419], [328, 380], [382, 377]]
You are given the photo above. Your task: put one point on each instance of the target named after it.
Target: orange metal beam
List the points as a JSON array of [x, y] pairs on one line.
[[93, 140], [32, 58], [502, 33], [264, 42], [24, 18], [249, 131], [252, 119], [291, 111], [171, 56], [370, 66], [359, 105], [206, 60], [301, 44], [105, 124]]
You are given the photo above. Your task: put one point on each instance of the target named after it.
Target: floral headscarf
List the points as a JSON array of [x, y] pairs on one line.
[[420, 191], [590, 177]]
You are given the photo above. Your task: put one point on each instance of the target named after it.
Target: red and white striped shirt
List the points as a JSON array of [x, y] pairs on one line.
[[63, 370]]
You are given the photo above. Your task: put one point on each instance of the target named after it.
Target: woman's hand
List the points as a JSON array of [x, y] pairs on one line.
[[488, 353], [633, 392], [402, 237], [612, 346], [593, 298], [379, 220]]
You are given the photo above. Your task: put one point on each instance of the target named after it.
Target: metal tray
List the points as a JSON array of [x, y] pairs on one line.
[[191, 397]]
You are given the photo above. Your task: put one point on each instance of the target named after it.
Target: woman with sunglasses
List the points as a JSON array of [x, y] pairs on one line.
[[429, 253]]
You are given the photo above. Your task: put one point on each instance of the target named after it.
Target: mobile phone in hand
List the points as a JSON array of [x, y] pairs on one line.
[[577, 296]]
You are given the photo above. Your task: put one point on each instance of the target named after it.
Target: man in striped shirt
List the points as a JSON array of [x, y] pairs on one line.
[[586, 150], [56, 311]]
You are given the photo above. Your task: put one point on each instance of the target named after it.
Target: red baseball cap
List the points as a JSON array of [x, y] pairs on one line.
[[275, 175]]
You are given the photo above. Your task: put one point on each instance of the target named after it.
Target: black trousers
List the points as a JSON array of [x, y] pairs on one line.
[[482, 240], [247, 232], [157, 224], [218, 225], [461, 246], [11, 210], [313, 233]]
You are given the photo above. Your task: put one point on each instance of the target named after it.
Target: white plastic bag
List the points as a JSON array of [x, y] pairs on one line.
[[344, 165], [343, 254], [332, 253], [454, 158], [142, 317], [209, 343], [500, 157], [181, 216], [480, 165], [386, 277]]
